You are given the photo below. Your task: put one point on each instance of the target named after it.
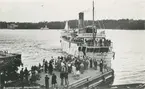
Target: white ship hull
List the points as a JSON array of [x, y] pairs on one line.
[[72, 49], [69, 48]]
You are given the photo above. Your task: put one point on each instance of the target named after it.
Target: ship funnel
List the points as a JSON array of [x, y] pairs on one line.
[[81, 20]]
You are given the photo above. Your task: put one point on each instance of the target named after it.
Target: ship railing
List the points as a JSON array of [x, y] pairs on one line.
[[91, 46], [79, 82], [89, 82], [100, 55], [101, 78], [91, 35], [98, 44]]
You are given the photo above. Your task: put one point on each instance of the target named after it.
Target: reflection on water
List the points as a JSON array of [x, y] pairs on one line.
[[35, 45]]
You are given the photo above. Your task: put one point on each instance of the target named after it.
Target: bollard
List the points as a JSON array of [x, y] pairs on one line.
[[87, 83]]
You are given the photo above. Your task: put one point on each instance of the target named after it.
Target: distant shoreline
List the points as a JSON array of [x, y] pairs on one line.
[[62, 29], [123, 24]]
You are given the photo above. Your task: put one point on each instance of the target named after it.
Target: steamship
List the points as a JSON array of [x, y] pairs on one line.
[[87, 41]]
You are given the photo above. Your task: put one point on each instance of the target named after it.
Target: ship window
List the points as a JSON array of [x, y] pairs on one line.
[[90, 49], [97, 50], [104, 49], [89, 30]]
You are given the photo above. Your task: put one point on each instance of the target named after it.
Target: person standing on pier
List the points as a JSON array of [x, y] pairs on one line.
[[43, 65], [66, 74], [50, 68], [82, 67], [54, 81], [69, 67], [62, 74], [46, 66], [87, 64], [101, 65], [95, 64], [26, 73], [73, 69], [22, 77], [91, 63], [46, 82]]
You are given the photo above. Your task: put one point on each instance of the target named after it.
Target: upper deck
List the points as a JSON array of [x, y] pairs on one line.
[[89, 32]]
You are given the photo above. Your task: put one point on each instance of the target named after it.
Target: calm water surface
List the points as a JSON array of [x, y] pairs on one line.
[[35, 45]]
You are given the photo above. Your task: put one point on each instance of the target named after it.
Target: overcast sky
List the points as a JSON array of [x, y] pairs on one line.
[[60, 10]]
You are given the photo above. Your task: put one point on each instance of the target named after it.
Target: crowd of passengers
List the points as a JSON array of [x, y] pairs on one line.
[[99, 42]]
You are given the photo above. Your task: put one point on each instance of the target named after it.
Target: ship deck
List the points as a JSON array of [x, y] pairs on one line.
[[90, 73]]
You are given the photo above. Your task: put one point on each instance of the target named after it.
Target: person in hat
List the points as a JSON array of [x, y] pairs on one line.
[[46, 82]]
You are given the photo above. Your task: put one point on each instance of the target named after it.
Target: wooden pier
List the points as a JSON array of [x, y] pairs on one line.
[[89, 79]]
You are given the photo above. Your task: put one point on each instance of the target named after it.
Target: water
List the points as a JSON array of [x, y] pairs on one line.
[[35, 45]]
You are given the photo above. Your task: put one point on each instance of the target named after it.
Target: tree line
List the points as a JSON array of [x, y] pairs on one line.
[[100, 24]]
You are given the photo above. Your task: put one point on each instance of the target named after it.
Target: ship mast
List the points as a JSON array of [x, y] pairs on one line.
[[93, 26], [93, 15]]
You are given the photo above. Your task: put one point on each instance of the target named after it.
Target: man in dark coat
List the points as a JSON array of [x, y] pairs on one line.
[[101, 66], [95, 64], [46, 82], [91, 63], [26, 73], [50, 68], [54, 81], [46, 66], [62, 74], [66, 74], [22, 77]]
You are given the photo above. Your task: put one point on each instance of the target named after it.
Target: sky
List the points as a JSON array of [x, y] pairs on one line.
[[61, 10]]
